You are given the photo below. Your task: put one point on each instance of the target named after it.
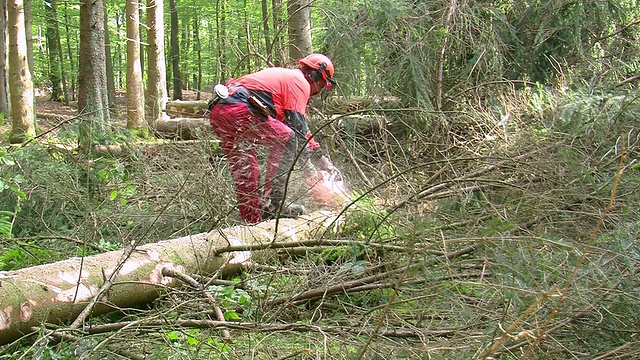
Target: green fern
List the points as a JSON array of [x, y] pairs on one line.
[[6, 223]]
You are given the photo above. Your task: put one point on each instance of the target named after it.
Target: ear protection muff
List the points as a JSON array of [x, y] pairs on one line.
[[315, 75]]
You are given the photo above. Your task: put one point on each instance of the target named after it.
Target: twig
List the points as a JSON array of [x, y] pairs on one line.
[[350, 285], [352, 158], [108, 281], [196, 285], [363, 350], [585, 253], [60, 336], [182, 277], [102, 292]]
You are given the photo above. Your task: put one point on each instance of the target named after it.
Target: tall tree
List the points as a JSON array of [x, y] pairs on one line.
[[265, 28], [28, 26], [135, 91], [175, 51], [299, 28], [118, 57], [197, 77], [93, 103], [221, 28], [111, 86], [20, 81], [156, 71], [53, 45], [279, 50], [5, 103], [69, 39]]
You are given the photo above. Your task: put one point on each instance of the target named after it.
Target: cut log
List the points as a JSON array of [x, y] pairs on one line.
[[58, 292], [194, 108], [183, 128]]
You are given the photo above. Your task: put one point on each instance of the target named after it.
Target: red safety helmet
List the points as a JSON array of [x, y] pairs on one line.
[[321, 63]]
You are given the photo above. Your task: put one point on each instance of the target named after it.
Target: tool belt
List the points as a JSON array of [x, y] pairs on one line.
[[241, 95]]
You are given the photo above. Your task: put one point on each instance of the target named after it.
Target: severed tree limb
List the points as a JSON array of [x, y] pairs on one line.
[[108, 281], [196, 285], [264, 327], [349, 286]]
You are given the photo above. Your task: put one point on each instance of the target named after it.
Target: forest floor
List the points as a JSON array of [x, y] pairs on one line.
[[51, 113]]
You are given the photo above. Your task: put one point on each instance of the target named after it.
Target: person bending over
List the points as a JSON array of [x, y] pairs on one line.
[[268, 108]]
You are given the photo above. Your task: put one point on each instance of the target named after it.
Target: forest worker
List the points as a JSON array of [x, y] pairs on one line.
[[268, 108]]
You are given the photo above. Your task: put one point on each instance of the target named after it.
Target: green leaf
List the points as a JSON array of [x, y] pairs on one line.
[[113, 195], [7, 161], [192, 341], [231, 315]]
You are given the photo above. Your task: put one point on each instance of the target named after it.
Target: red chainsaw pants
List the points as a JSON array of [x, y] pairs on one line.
[[239, 131]]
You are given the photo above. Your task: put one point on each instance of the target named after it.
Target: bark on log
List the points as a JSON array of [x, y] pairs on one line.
[[57, 292], [183, 128], [194, 108]]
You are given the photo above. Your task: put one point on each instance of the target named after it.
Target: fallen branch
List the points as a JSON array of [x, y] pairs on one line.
[[264, 327]]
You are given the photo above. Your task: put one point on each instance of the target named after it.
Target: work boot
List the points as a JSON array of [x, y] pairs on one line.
[[287, 211]]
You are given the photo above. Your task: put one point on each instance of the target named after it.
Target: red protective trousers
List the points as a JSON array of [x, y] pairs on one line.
[[239, 130]]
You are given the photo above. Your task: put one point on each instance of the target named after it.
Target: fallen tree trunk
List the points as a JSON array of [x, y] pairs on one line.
[[58, 292], [183, 128], [181, 108]]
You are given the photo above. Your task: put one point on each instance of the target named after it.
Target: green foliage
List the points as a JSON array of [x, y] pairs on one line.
[[237, 301], [22, 254], [366, 221], [10, 192]]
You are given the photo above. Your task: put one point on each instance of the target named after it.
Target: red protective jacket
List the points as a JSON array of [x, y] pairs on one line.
[[285, 92]]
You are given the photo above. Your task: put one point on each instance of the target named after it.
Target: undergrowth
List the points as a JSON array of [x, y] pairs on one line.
[[492, 238]]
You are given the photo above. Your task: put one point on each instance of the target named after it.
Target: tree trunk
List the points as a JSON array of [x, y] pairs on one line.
[[53, 45], [299, 29], [57, 293], [197, 48], [265, 28], [184, 129], [20, 81], [93, 103], [119, 20], [5, 103], [111, 84], [221, 38], [279, 48], [175, 51], [187, 108], [156, 71], [135, 91], [72, 70]]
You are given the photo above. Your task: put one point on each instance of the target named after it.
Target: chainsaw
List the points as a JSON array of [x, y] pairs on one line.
[[328, 188]]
